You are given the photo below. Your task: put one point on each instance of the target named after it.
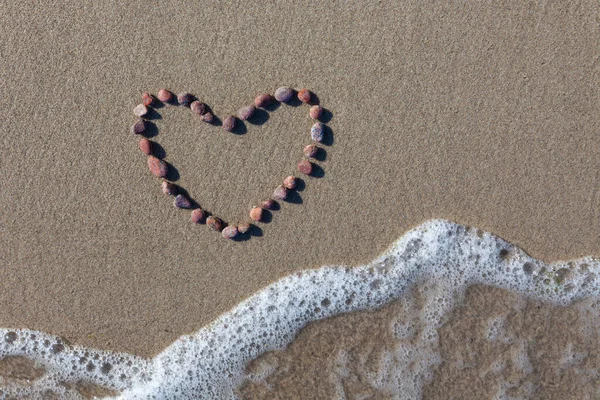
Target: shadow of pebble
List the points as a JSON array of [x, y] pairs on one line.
[[259, 117], [317, 171], [152, 114], [328, 136], [321, 154], [273, 106], [326, 116], [293, 197], [158, 151], [173, 174], [239, 128], [300, 184], [267, 217], [150, 130]]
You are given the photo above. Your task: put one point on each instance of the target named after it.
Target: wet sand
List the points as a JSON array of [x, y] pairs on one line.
[[485, 114], [496, 341]]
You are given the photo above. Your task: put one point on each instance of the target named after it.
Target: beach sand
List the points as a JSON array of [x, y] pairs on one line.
[[484, 114]]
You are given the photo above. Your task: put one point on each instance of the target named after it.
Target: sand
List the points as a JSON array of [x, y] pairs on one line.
[[485, 114], [538, 351]]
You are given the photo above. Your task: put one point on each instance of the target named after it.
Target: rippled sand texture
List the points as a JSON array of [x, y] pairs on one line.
[[496, 344]]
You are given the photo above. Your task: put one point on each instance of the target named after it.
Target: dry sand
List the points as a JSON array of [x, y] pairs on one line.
[[486, 114]]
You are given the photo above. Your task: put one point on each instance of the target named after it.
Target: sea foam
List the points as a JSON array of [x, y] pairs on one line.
[[211, 363]]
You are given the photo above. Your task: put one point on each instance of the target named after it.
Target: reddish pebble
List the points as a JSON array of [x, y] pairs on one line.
[[198, 215], [230, 232], [139, 127], [263, 100], [181, 201], [280, 192], [207, 117], [290, 182], [284, 94], [315, 112], [198, 107], [164, 95], [304, 95], [311, 151], [244, 227], [317, 132], [140, 110], [214, 223], [185, 99], [305, 167], [256, 213], [147, 99], [247, 112], [146, 146], [229, 123], [268, 204], [157, 167], [169, 188]]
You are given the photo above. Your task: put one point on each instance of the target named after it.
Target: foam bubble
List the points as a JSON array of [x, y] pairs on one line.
[[443, 257]]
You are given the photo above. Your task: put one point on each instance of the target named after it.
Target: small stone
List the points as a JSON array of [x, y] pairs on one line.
[[256, 213], [181, 201], [317, 132], [315, 112], [185, 99], [304, 95], [244, 227], [158, 167], [198, 215], [207, 117], [214, 223], [268, 204], [146, 146], [140, 110], [230, 232], [198, 107], [229, 123], [264, 100], [290, 182], [311, 151], [247, 112], [147, 99], [305, 167], [165, 96], [169, 188], [139, 127], [280, 193], [284, 94]]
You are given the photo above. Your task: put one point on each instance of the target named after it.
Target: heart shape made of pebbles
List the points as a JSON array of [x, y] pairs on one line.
[[160, 169]]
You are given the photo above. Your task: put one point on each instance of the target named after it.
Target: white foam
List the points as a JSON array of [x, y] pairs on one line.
[[210, 364]]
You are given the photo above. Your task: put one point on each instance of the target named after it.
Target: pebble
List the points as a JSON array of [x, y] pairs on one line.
[[245, 113], [140, 110], [164, 95], [182, 201], [229, 123], [315, 112], [305, 167], [304, 95], [244, 227], [214, 223], [198, 215], [263, 100], [146, 146], [139, 127], [207, 117], [147, 99], [230, 232], [284, 94], [290, 182], [280, 192], [158, 167], [185, 99], [268, 204], [317, 132], [198, 107], [311, 151], [256, 214], [169, 188]]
